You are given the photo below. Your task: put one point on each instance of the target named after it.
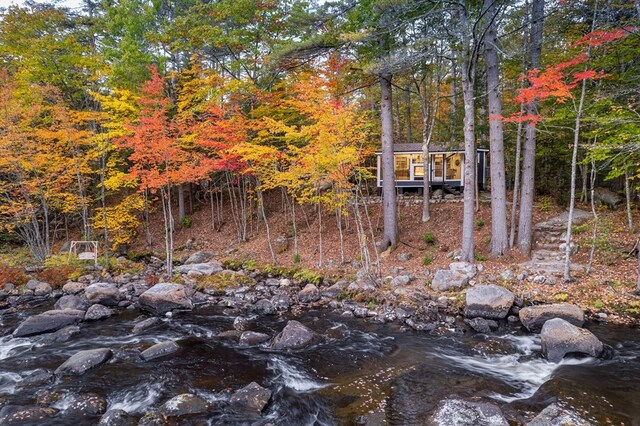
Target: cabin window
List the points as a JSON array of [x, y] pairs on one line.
[[417, 158], [437, 166], [454, 167], [418, 172], [402, 166]]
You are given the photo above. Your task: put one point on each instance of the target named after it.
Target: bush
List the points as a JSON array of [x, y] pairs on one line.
[[479, 223], [57, 276], [429, 238], [480, 257], [296, 258], [12, 275], [427, 259], [186, 222]]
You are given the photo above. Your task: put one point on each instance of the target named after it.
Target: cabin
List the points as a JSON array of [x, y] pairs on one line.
[[445, 166]]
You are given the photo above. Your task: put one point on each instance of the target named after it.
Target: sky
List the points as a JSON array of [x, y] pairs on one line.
[[67, 3]]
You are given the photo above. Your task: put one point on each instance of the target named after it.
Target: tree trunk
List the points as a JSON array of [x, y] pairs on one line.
[[468, 80], [525, 224], [627, 193], [408, 112], [181, 210], [390, 233], [499, 242], [454, 97], [574, 160]]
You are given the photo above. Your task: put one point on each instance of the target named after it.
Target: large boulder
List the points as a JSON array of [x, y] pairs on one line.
[[200, 257], [294, 336], [534, 317], [488, 301], [97, 312], [88, 404], [71, 302], [73, 287], [184, 405], [281, 301], [164, 297], [82, 361], [102, 293], [465, 268], [252, 397], [48, 322], [460, 412], [556, 415], [159, 350], [208, 268], [308, 294], [252, 338], [445, 280], [559, 337]]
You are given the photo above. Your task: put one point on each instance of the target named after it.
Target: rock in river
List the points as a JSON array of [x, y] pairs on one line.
[[12, 414], [71, 302], [115, 417], [308, 294], [294, 336], [103, 293], [534, 317], [159, 350], [48, 322], [88, 404], [184, 405], [207, 268], [560, 337], [164, 297], [488, 301], [82, 361], [252, 397], [556, 415], [97, 312], [459, 412], [252, 338]]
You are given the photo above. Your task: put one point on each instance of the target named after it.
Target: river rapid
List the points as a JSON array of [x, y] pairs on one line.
[[359, 373]]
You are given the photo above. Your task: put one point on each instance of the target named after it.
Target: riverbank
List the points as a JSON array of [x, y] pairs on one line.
[[316, 349]]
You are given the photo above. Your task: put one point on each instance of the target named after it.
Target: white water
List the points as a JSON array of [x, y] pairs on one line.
[[8, 382], [292, 377], [10, 347], [135, 400], [519, 370]]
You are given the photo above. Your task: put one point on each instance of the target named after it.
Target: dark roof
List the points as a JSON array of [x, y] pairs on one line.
[[433, 147]]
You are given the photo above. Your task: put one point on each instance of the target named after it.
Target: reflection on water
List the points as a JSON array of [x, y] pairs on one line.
[[371, 369]]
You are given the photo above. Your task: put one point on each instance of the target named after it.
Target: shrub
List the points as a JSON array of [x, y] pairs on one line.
[[57, 276], [186, 222], [429, 238], [307, 276], [12, 275], [427, 259], [296, 258], [480, 257], [479, 223]]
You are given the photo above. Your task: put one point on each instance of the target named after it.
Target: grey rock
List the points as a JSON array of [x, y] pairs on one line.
[[459, 412], [159, 350], [164, 297], [281, 301], [97, 312], [420, 325], [12, 414], [481, 325], [145, 325], [252, 397], [88, 404], [360, 312], [71, 302], [488, 301], [539, 279], [62, 335], [38, 377], [42, 289], [208, 268], [445, 280], [507, 275], [184, 405], [83, 361], [200, 257], [338, 331], [400, 280], [404, 257], [48, 322], [308, 294], [534, 317], [241, 324], [294, 336], [559, 337], [115, 417], [103, 293], [230, 334], [335, 290], [281, 243], [556, 415], [252, 338], [465, 268], [265, 307]]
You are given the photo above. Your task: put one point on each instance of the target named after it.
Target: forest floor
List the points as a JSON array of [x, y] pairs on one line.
[[606, 292]]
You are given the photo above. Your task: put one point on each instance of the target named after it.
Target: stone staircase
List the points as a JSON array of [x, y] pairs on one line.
[[547, 257]]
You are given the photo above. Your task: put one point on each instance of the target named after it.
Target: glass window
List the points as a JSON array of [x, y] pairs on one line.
[[454, 167], [402, 166], [417, 158], [437, 166], [418, 172]]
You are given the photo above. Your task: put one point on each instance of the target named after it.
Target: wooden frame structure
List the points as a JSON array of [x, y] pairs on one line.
[[91, 254]]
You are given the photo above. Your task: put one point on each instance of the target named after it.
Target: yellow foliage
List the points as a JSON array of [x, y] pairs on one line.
[[122, 219]]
